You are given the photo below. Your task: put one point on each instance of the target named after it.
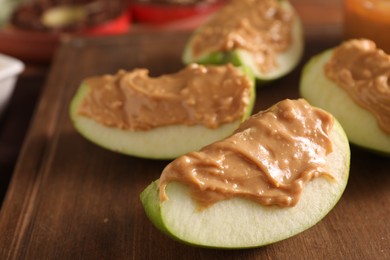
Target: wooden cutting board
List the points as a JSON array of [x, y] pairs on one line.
[[69, 199]]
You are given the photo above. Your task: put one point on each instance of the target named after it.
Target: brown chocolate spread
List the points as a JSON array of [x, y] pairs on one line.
[[28, 16], [269, 159]]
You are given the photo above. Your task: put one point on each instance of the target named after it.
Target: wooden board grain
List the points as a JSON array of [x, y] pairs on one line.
[[69, 199]]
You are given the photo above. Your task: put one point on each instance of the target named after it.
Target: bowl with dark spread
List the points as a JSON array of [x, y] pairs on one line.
[[35, 28]]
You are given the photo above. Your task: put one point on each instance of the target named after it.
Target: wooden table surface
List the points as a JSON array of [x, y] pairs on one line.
[[71, 199]]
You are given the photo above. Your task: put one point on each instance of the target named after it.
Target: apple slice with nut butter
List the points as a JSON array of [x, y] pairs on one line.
[[352, 81], [265, 36], [277, 175], [163, 117]]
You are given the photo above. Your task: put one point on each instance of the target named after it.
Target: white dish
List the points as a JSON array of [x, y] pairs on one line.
[[10, 68]]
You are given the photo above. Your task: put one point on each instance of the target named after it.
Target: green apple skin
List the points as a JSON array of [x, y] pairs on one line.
[[287, 60], [240, 223], [167, 142], [360, 125]]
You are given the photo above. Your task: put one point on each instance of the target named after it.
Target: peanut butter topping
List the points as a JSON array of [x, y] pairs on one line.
[[261, 27], [363, 71], [269, 159], [207, 95]]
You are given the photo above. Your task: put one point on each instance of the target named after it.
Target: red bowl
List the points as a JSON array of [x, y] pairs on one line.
[[160, 14], [39, 47], [118, 25]]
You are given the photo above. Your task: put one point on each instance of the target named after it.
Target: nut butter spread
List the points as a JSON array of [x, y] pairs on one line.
[[261, 27], [268, 159], [207, 95], [363, 71]]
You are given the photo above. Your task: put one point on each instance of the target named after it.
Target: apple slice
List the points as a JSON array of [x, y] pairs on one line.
[[359, 124], [243, 223], [165, 142], [286, 61]]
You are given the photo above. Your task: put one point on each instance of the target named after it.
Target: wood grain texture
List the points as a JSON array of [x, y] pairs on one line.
[[69, 199]]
